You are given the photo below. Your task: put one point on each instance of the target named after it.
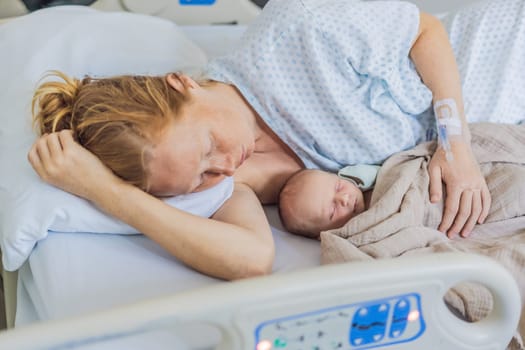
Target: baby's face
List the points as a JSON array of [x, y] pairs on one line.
[[328, 201]]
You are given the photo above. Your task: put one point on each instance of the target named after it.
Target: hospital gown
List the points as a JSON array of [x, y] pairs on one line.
[[333, 79], [489, 44]]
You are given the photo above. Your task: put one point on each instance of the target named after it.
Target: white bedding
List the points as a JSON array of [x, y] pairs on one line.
[[73, 274]]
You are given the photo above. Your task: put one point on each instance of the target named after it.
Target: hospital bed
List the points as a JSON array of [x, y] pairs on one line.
[[105, 291]]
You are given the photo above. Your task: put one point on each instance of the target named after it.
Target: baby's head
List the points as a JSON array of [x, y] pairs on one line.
[[312, 201]]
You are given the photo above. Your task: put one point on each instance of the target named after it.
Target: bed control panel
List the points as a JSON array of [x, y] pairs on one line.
[[364, 325]]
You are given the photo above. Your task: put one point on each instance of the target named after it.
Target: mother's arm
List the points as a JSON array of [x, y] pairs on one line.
[[236, 243], [468, 199]]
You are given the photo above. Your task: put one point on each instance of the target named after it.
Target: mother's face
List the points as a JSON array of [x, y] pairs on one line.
[[207, 142]]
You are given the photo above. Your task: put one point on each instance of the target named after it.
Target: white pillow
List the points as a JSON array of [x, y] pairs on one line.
[[77, 41]]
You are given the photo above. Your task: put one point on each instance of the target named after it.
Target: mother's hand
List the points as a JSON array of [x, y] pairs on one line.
[[468, 199], [62, 162]]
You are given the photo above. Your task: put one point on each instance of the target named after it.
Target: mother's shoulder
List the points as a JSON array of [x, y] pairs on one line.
[[266, 173]]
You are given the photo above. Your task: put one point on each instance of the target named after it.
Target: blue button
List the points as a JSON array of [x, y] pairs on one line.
[[369, 324], [399, 318], [197, 2]]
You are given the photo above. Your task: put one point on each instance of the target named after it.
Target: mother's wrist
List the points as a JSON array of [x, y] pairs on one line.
[[104, 190], [462, 140]]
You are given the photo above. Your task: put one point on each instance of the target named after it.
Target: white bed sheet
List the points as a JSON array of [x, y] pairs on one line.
[[70, 274]]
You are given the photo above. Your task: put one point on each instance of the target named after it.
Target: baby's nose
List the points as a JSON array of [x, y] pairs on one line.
[[343, 198]]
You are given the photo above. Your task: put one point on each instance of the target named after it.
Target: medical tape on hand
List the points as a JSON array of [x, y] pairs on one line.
[[447, 116], [448, 123]]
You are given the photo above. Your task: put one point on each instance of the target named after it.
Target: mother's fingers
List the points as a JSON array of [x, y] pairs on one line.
[[66, 138], [463, 213], [46, 155], [54, 145], [486, 200], [34, 160], [463, 210], [475, 212], [436, 184], [42, 149], [451, 209]]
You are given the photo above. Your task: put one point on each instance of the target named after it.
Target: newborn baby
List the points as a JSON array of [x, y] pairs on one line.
[[312, 201]]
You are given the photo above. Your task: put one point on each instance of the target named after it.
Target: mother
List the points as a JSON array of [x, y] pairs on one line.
[[316, 84]]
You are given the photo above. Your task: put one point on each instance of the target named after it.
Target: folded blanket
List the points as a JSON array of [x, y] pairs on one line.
[[402, 221]]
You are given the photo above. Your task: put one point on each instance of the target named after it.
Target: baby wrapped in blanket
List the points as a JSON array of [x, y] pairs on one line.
[[402, 221]]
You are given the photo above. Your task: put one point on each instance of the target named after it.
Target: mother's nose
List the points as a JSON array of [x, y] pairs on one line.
[[224, 165]]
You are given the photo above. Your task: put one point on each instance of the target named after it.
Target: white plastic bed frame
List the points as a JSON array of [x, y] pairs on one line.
[[277, 309]]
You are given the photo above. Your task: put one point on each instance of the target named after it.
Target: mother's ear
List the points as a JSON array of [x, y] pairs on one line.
[[181, 82]]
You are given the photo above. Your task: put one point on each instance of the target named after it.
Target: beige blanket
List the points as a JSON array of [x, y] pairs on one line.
[[402, 221]]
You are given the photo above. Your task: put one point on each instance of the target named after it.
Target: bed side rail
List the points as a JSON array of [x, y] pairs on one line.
[[363, 305]]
